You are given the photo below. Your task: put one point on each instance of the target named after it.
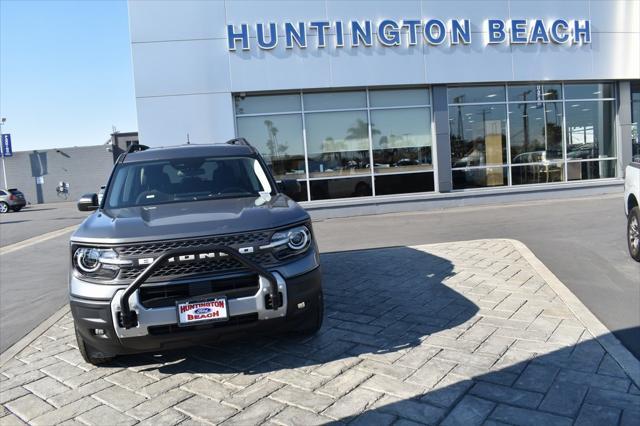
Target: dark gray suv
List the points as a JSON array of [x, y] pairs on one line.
[[189, 244]]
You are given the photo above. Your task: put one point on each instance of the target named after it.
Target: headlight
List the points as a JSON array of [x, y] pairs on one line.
[[290, 242], [97, 263]]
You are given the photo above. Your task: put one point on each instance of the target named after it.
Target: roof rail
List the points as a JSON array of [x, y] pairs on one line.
[[136, 147], [132, 148], [241, 141], [238, 141]]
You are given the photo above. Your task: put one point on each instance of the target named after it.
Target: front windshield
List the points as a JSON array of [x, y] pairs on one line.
[[186, 179]]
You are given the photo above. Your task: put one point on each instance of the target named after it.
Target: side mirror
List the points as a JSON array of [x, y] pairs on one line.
[[88, 202], [290, 187]]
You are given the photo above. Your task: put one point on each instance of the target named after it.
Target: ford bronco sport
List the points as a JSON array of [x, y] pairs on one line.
[[189, 244]]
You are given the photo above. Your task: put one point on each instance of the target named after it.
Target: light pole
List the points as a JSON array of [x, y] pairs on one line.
[[4, 166]]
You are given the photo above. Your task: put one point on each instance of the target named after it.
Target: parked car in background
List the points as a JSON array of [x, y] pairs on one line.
[[632, 208], [11, 199]]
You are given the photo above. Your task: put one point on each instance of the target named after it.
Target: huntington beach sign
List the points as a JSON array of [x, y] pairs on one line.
[[406, 32]]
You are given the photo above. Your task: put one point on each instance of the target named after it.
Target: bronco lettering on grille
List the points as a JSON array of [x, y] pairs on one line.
[[192, 257]]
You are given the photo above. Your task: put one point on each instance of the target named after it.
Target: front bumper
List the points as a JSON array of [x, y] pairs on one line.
[[157, 328]]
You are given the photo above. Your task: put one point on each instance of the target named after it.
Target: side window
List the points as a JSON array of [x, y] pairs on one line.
[[3, 193]]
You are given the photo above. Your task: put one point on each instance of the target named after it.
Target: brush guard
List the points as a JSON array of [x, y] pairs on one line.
[[129, 318]]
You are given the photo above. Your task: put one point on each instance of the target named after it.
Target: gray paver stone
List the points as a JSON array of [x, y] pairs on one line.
[[103, 414], [526, 417], [208, 410], [119, 398], [469, 411], [596, 415], [564, 398], [67, 412], [28, 407], [160, 403], [302, 398], [517, 397]]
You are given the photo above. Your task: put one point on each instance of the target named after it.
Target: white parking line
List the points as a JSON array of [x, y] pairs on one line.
[[36, 240]]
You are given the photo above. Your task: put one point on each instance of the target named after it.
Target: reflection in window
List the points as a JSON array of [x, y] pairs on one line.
[[398, 97], [480, 177], [337, 143], [401, 140], [278, 138], [591, 170], [475, 94], [536, 132], [267, 103], [478, 135], [323, 189], [534, 92], [537, 173], [590, 130], [404, 183], [334, 100], [588, 90]]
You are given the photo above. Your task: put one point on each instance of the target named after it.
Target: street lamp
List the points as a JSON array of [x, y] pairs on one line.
[[4, 166]]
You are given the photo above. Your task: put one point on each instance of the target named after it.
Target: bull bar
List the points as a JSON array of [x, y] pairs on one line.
[[129, 317]]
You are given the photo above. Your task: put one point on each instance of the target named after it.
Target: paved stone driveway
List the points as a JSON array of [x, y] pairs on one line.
[[459, 333]]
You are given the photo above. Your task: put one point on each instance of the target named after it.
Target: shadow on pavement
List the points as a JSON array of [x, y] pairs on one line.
[[576, 384], [376, 302], [390, 308]]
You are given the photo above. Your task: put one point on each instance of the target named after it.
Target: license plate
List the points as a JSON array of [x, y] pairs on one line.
[[202, 311]]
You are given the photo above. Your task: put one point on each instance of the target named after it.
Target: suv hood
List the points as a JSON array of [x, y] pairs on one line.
[[190, 219]]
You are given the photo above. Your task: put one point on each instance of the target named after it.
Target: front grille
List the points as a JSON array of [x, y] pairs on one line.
[[249, 238], [204, 267], [214, 266], [173, 328], [167, 295]]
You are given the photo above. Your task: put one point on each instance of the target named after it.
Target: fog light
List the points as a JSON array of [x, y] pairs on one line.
[[98, 332], [301, 305]]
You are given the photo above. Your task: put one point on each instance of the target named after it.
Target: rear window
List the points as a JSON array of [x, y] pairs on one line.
[[186, 179]]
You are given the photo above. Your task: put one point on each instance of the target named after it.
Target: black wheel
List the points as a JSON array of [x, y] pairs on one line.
[[313, 319], [89, 354], [16, 209], [633, 233], [4, 207]]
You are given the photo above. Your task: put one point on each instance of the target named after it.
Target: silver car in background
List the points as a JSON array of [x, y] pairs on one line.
[[11, 199]]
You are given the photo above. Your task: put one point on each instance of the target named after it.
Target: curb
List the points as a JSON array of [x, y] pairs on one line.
[[629, 363], [33, 335]]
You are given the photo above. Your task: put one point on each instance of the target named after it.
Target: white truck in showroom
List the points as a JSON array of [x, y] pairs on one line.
[[632, 208]]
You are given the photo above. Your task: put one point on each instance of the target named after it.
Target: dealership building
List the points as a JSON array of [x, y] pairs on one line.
[[383, 102]]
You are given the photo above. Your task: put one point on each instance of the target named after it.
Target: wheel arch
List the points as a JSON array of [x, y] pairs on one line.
[[631, 202]]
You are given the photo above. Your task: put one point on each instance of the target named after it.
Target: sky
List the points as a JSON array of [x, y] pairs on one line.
[[65, 72]]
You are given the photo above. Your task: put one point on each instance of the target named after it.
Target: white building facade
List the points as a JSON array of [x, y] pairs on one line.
[[381, 98]]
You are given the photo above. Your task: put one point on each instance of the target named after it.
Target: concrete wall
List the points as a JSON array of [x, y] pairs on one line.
[[185, 75], [84, 168]]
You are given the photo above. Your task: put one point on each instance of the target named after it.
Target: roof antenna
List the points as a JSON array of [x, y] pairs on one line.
[[188, 142]]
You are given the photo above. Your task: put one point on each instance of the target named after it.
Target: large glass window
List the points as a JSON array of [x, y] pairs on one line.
[[358, 142], [556, 132], [590, 130], [401, 140], [337, 143], [478, 135], [278, 138]]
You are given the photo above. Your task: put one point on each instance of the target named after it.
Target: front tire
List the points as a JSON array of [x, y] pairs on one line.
[[89, 354], [313, 319], [633, 233], [4, 207], [16, 209]]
